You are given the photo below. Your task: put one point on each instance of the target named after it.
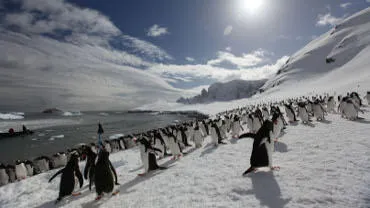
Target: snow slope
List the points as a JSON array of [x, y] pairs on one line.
[[325, 165], [342, 44]]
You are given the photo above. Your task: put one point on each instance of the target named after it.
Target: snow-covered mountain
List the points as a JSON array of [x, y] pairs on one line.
[[328, 53], [235, 89]]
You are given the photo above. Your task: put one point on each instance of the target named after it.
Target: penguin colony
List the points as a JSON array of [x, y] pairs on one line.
[[265, 123]]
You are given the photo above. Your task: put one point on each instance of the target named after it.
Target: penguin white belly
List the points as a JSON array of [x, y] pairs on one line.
[[20, 171], [4, 178], [331, 106], [29, 170], [256, 124], [350, 112], [236, 128], [317, 111], [303, 114], [342, 106], [265, 114], [198, 139], [214, 136], [108, 147], [203, 129], [289, 114], [250, 124], [223, 131], [144, 157], [160, 146], [174, 147]]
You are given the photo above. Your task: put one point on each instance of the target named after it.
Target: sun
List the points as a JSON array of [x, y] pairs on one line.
[[251, 6]]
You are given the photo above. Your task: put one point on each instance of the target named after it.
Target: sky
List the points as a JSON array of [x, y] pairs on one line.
[[94, 55]]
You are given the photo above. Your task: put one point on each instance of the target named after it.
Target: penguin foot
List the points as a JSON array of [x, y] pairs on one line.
[[76, 194], [275, 168], [99, 197]]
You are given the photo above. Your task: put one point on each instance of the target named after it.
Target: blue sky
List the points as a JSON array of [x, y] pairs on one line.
[[94, 54]]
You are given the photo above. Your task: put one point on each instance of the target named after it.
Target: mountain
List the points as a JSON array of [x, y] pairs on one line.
[[235, 89], [328, 54]]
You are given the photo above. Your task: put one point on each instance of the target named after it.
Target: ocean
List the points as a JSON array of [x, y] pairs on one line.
[[58, 132]]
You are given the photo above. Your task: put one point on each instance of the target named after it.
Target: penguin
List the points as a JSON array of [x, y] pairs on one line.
[[236, 127], [20, 170], [216, 134], [4, 177], [197, 136], [265, 113], [159, 144], [122, 143], [257, 122], [184, 138], [330, 106], [10, 170], [342, 105], [250, 122], [351, 110], [29, 167], [356, 98], [59, 159], [147, 154], [105, 175], [290, 113], [172, 144], [67, 181], [41, 164], [368, 97], [318, 110], [262, 147], [89, 170], [203, 127], [222, 128], [107, 146], [303, 112]]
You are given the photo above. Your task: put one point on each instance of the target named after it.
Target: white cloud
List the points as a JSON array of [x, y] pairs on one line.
[[246, 60], [207, 71], [228, 48], [328, 19], [61, 55], [345, 5], [228, 29], [190, 59], [156, 30]]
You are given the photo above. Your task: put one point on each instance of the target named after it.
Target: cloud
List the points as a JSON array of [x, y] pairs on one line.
[[61, 55], [190, 59], [228, 48], [345, 5], [206, 71], [227, 30], [156, 30], [328, 19], [243, 61]]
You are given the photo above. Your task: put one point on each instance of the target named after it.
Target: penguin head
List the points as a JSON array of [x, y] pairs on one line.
[[103, 155], [17, 162], [2, 166]]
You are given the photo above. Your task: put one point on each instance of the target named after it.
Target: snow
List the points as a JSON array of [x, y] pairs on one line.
[[326, 165], [12, 116]]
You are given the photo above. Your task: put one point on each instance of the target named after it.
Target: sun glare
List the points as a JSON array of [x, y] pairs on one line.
[[251, 6]]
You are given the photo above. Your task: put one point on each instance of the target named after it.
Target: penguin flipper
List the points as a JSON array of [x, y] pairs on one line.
[[86, 170], [114, 172], [251, 135], [79, 176], [55, 175]]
